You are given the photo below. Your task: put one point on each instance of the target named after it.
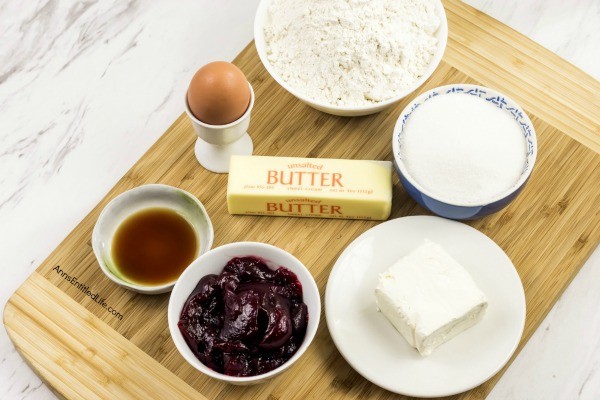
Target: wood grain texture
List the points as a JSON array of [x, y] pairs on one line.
[[84, 351], [77, 347]]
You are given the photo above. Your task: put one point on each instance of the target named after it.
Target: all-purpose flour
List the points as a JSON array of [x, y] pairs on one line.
[[351, 52]]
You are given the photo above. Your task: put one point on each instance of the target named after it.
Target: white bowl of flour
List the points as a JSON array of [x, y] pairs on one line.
[[350, 57], [464, 151]]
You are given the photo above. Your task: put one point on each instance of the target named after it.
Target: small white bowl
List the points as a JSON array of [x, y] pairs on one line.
[[137, 199], [213, 262], [261, 47]]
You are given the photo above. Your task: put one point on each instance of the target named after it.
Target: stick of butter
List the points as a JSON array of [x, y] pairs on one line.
[[310, 187]]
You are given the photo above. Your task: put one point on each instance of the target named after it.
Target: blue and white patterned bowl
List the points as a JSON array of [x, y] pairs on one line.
[[443, 207]]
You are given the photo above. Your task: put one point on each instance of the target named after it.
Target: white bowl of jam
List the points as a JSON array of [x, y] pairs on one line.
[[244, 312], [146, 237]]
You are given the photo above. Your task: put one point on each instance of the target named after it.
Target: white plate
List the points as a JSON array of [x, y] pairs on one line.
[[378, 352]]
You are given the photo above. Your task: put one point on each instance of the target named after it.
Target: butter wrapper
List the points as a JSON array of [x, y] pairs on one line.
[[310, 187]]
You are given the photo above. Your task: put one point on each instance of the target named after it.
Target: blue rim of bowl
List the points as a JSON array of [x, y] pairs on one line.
[[493, 96], [135, 286], [435, 62]]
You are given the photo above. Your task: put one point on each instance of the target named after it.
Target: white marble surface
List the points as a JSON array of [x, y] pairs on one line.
[[86, 87]]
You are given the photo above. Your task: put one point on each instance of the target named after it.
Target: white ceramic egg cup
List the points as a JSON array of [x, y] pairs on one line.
[[217, 143]]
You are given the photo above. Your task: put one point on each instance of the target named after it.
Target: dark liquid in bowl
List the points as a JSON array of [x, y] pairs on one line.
[[154, 246]]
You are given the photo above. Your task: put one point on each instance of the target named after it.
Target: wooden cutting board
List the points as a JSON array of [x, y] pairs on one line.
[[117, 345]]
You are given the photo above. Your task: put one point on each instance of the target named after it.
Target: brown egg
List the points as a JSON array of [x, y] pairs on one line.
[[218, 93]]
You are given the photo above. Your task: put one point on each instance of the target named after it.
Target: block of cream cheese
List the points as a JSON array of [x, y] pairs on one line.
[[310, 187], [429, 297]]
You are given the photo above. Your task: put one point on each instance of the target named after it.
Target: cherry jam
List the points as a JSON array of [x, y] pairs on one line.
[[246, 321]]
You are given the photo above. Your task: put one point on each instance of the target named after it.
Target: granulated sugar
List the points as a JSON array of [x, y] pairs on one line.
[[463, 149], [351, 52]]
